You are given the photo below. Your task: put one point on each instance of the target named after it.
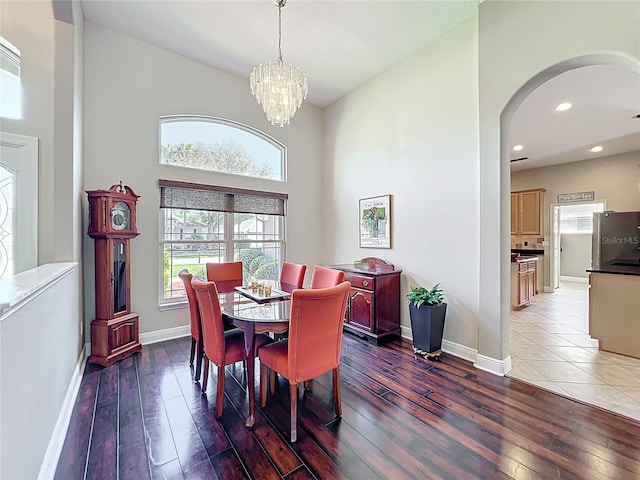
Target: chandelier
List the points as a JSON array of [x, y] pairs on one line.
[[279, 88]]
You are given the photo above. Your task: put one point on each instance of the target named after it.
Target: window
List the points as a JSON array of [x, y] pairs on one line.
[[10, 89], [219, 145], [578, 218], [205, 224]]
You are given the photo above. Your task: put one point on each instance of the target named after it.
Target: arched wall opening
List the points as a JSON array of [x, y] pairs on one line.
[[505, 179]]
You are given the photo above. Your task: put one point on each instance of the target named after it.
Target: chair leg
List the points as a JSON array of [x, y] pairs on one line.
[[205, 375], [193, 350], [293, 391], [220, 392], [263, 385], [272, 382], [199, 355], [337, 402]]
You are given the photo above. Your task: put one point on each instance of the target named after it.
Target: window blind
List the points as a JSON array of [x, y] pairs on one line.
[[215, 198]]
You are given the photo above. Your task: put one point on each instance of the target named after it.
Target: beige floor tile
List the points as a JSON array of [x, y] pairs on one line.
[[545, 339], [535, 352], [614, 375], [564, 372], [580, 340], [578, 370]]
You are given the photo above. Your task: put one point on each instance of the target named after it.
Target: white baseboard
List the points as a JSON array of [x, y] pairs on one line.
[[488, 364], [574, 279], [493, 365], [461, 351], [166, 334], [548, 289], [56, 442]]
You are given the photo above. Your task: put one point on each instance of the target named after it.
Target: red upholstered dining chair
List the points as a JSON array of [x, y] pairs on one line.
[[220, 347], [226, 275], [292, 275], [313, 346], [196, 328], [324, 277]]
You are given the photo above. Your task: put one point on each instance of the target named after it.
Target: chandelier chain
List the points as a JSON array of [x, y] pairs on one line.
[[280, 32]]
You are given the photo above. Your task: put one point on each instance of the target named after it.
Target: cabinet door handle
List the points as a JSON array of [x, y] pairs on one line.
[[365, 283]]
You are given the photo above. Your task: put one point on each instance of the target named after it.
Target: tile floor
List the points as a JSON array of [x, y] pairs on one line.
[[551, 348]]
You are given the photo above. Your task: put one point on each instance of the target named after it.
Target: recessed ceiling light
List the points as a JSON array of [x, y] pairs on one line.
[[596, 149], [563, 106], [518, 148]]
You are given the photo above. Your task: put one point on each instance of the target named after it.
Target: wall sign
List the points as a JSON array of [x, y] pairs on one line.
[[576, 197]]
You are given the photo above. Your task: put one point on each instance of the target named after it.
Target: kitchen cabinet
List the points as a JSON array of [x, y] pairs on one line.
[[526, 212], [373, 308], [523, 281]]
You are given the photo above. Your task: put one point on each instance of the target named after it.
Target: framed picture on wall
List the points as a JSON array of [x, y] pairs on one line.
[[375, 222]]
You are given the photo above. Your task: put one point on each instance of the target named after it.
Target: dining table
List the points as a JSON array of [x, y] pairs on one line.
[[254, 315]]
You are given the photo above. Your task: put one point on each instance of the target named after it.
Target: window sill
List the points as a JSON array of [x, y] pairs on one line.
[[173, 305]]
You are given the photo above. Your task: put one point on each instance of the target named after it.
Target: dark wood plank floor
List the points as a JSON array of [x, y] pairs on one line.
[[403, 418]]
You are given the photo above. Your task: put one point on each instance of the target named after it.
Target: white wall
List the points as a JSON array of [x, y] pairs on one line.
[[129, 84], [575, 254], [521, 45], [37, 360], [412, 132]]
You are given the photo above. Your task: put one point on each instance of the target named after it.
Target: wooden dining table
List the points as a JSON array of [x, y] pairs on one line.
[[254, 318]]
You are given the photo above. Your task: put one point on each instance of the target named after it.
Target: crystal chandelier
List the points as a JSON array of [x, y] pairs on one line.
[[279, 88]]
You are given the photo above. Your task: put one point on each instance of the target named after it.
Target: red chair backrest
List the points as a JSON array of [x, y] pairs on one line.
[[315, 331], [211, 316], [194, 312], [324, 277], [292, 274], [226, 275]]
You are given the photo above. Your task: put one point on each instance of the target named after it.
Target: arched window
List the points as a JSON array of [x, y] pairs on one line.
[[219, 145], [10, 88]]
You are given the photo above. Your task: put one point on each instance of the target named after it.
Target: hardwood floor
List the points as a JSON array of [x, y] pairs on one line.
[[403, 418]]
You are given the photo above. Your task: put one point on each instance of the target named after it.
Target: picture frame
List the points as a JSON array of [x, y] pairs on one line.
[[374, 215]]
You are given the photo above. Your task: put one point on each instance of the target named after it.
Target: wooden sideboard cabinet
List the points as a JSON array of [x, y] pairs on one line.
[[373, 311]]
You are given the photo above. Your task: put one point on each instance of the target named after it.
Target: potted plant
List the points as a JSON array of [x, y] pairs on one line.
[[427, 311]]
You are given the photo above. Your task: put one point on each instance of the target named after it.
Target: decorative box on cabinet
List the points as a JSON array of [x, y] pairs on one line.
[[373, 310]]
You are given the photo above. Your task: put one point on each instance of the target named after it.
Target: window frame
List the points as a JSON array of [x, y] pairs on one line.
[[228, 242], [165, 119]]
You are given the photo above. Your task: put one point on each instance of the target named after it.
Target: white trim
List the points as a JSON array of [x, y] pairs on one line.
[[461, 351], [452, 348], [56, 442], [574, 279], [548, 289], [493, 365], [164, 335]]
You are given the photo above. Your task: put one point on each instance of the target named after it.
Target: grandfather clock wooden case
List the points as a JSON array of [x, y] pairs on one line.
[[112, 223]]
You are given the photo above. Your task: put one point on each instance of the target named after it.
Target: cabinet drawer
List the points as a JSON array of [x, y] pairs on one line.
[[360, 281]]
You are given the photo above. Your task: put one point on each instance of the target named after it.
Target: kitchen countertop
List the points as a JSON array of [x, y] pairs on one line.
[[616, 269], [524, 258], [526, 251]]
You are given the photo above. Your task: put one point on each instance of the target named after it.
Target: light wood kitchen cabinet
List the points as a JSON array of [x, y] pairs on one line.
[[523, 281], [526, 212]]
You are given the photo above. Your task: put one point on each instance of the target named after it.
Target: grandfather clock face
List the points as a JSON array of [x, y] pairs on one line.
[[121, 216]]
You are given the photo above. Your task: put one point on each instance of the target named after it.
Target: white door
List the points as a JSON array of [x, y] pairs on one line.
[[555, 246], [18, 203]]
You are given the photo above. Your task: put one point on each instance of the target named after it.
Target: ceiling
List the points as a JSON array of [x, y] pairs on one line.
[[343, 44]]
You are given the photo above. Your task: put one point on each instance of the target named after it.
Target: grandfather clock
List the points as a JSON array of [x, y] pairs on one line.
[[112, 223]]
